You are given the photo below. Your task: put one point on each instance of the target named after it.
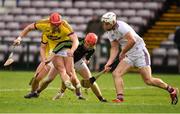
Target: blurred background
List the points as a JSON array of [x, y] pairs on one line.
[[156, 21]]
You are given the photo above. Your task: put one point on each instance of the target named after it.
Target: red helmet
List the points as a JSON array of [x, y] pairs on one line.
[[91, 39], [55, 18]]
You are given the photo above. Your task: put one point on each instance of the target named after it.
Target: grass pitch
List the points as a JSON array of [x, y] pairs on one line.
[[139, 98]]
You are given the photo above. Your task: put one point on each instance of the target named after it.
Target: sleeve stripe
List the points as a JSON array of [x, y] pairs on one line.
[[43, 42], [70, 33]]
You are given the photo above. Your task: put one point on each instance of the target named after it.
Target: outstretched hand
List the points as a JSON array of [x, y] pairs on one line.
[[17, 41]]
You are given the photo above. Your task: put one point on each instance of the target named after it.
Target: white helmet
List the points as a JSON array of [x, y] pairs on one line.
[[109, 17]]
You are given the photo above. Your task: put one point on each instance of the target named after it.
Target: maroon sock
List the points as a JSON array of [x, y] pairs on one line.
[[120, 96], [78, 94], [170, 89]]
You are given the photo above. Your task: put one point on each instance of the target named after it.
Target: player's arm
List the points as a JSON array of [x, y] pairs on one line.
[[27, 29], [130, 43], [113, 53], [73, 37], [24, 33], [75, 43]]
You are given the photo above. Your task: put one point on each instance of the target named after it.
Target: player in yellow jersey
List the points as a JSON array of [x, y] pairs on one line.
[[56, 31], [41, 72], [82, 56]]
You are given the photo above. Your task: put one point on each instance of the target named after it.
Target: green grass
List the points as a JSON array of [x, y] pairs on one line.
[[139, 97]]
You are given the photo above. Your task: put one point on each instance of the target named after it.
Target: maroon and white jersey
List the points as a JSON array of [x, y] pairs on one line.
[[120, 31], [138, 55]]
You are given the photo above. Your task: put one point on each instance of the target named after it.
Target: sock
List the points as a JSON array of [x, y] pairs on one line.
[[61, 93], [120, 96], [78, 93], [170, 89], [62, 90]]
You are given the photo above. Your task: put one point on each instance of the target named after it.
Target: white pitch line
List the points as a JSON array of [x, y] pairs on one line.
[[53, 88], [15, 89], [139, 87]]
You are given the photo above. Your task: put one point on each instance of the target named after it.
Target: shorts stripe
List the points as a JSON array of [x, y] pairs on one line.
[[60, 46]]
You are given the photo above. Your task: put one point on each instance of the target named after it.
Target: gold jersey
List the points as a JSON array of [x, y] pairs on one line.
[[53, 35]]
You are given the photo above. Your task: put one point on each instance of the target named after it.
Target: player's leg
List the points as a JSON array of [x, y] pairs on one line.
[[143, 62], [60, 92], [96, 90], [69, 64], [50, 77], [71, 72], [59, 63], [78, 91], [118, 73], [41, 72], [84, 71], [149, 80], [63, 87]]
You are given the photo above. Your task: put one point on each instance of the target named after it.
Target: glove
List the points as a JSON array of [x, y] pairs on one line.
[[17, 41]]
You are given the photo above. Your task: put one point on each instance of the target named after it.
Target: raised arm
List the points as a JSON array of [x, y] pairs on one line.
[[28, 28]]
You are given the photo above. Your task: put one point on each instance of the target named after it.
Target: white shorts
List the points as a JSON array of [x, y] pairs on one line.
[[140, 59], [80, 65], [62, 53]]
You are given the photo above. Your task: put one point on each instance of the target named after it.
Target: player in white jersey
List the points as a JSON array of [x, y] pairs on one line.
[[133, 54]]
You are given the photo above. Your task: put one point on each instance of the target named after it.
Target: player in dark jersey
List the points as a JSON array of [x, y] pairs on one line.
[[82, 56]]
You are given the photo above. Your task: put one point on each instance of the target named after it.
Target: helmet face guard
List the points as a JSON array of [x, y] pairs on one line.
[[109, 17]]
